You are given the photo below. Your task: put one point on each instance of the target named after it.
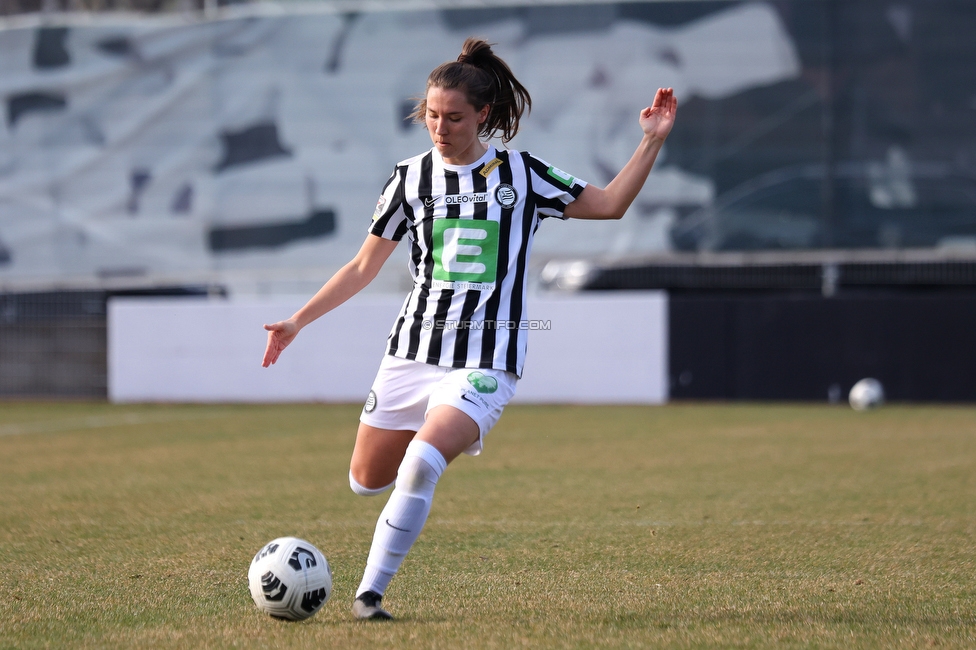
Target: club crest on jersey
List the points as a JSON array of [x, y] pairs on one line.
[[505, 195]]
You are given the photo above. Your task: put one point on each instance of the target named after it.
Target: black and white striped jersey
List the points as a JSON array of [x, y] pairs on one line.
[[470, 228]]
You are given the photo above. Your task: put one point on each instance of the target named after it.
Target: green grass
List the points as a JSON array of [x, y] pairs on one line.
[[676, 527]]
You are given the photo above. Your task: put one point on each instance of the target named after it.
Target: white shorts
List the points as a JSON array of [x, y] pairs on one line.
[[404, 391]]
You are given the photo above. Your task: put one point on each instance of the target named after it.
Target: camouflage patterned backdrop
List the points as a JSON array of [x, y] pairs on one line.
[[249, 151]]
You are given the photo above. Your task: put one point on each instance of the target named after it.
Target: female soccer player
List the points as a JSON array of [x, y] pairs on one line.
[[455, 353]]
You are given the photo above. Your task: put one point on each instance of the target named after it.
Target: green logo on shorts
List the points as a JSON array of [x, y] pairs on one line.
[[482, 382]]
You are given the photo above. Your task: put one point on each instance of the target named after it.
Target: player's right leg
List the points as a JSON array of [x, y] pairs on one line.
[[376, 457], [393, 413]]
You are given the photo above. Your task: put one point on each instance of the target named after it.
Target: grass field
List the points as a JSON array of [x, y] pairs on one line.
[[676, 527]]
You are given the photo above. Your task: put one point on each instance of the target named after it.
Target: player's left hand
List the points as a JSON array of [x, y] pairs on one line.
[[656, 120]]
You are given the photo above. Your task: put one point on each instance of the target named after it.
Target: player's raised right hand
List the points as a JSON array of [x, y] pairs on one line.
[[280, 334]]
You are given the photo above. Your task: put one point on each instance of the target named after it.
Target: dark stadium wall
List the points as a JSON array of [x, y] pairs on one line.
[[803, 346], [54, 344]]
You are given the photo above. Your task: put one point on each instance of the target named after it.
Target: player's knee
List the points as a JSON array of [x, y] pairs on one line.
[[420, 469], [363, 490], [415, 475]]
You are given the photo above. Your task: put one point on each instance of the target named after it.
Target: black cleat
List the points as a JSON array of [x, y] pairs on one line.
[[366, 607]]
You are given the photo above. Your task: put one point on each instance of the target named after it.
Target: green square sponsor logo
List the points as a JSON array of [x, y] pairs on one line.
[[561, 176], [465, 250]]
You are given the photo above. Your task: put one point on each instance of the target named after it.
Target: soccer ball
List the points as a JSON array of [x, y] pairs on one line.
[[289, 578], [866, 394]]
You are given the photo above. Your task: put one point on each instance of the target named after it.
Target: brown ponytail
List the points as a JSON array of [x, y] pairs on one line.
[[485, 80]]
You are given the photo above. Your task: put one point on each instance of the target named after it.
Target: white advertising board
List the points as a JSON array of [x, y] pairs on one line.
[[591, 348]]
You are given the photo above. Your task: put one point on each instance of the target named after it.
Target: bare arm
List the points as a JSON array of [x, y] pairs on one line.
[[611, 203], [346, 283]]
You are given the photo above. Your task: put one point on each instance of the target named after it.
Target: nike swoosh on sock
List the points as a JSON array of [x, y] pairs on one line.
[[402, 530]]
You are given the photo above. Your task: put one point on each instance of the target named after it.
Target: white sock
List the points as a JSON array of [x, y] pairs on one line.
[[404, 515], [364, 491]]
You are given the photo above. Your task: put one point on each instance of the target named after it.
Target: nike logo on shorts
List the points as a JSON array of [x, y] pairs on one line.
[[465, 397]]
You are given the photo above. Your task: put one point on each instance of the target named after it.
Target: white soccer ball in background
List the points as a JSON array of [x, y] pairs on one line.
[[289, 578], [866, 394]]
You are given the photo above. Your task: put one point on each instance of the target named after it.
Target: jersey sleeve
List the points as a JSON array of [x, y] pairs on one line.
[[554, 189], [390, 217]]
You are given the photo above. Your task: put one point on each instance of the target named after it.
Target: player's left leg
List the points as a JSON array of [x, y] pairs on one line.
[[462, 408], [446, 433]]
